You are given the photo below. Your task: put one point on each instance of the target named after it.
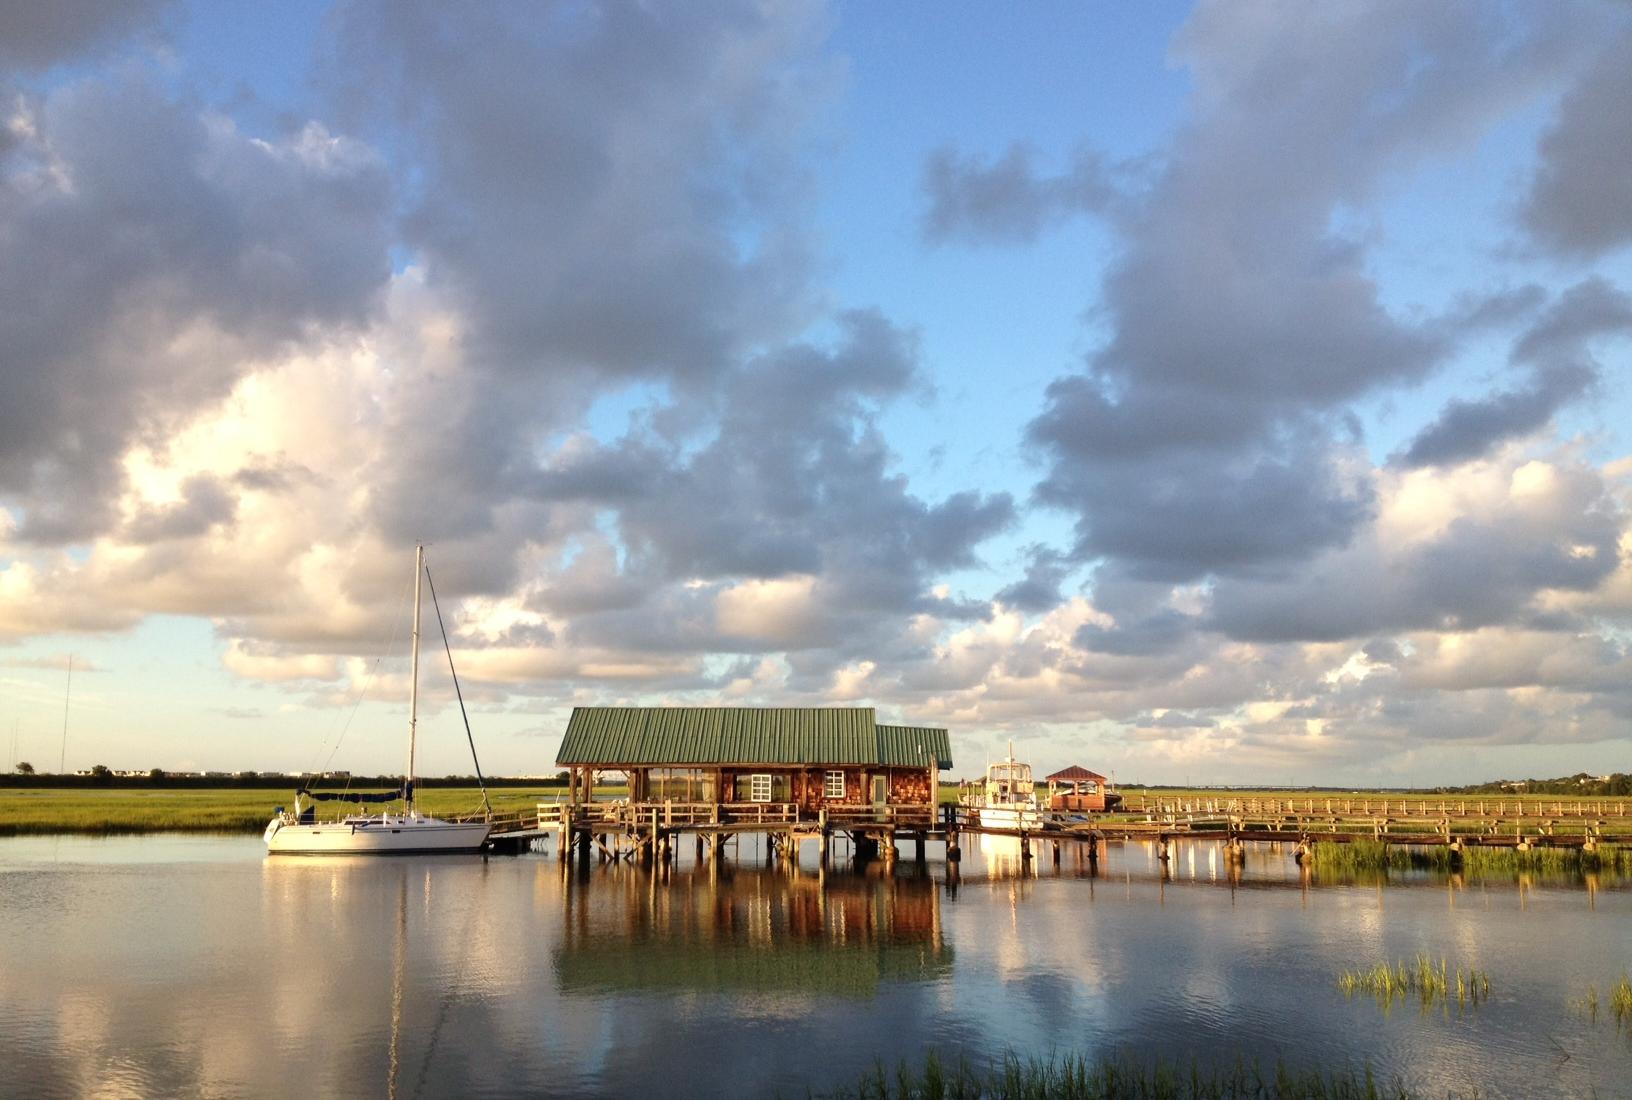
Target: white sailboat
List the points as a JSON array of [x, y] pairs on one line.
[[300, 832]]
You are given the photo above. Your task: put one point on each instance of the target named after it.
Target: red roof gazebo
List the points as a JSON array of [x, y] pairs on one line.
[[1078, 790], [1075, 774]]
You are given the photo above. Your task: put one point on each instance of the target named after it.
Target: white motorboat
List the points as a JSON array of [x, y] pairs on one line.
[[1006, 799], [299, 831]]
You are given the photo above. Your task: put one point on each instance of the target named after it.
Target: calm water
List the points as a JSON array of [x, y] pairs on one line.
[[169, 966]]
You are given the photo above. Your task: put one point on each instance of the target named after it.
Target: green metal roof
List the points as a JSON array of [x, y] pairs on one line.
[[912, 746], [679, 736]]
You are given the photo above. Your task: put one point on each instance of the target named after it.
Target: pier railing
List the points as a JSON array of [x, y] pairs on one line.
[[670, 814], [902, 816], [1378, 807]]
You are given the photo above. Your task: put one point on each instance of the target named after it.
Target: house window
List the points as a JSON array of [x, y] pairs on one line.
[[834, 787], [759, 788]]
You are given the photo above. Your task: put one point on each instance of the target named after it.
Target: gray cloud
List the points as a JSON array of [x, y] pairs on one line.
[[795, 481], [1209, 433], [151, 254], [1588, 310], [1179, 513], [668, 130], [1580, 202], [975, 200], [614, 193], [1039, 588], [1555, 351], [205, 502], [1471, 428], [1478, 571], [1179, 720], [39, 35]]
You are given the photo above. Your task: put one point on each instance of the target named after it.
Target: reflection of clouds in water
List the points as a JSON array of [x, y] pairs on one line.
[[185, 978]]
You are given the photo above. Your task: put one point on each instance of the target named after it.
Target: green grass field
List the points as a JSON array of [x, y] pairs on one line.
[[221, 810]]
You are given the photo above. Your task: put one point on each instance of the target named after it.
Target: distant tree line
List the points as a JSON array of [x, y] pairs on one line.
[[1581, 784], [102, 776]]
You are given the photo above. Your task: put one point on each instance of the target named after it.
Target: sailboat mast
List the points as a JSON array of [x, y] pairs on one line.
[[413, 689]]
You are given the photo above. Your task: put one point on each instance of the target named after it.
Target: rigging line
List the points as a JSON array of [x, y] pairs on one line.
[[362, 693], [486, 807]]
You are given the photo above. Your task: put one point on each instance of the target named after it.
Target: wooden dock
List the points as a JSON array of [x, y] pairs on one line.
[[647, 832], [1458, 824]]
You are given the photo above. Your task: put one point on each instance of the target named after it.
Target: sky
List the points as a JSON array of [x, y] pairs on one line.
[[1214, 393]]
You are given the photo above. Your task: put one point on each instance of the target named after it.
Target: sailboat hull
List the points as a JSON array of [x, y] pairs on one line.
[[387, 835]]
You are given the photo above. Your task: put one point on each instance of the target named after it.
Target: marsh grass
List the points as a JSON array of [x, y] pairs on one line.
[[1081, 1078], [104, 811], [1430, 983], [1373, 855]]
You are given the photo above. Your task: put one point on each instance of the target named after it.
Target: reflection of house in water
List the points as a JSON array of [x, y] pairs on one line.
[[758, 931]]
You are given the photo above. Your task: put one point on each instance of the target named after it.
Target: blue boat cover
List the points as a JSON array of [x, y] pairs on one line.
[[357, 796]]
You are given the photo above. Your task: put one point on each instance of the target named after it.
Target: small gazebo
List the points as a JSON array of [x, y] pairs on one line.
[[1076, 789]]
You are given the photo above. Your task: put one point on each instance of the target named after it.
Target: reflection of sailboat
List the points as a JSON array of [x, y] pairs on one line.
[[399, 953], [408, 831]]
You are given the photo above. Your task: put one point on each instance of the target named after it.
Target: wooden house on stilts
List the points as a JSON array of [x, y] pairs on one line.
[[785, 771]]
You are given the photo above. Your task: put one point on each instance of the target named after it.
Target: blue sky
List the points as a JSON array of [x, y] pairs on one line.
[[1232, 392]]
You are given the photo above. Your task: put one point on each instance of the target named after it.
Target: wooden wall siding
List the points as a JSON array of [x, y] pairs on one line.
[[813, 795], [909, 788], [807, 786]]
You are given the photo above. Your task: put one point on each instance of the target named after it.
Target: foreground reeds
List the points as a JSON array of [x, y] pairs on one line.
[[1082, 1078], [1423, 979]]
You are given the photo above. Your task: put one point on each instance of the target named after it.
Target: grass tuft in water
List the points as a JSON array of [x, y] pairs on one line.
[[1423, 979], [1620, 1003], [1081, 1078]]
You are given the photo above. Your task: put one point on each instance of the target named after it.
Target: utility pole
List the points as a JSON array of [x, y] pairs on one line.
[[62, 758]]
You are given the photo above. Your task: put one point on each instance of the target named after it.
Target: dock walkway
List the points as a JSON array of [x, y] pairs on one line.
[[620, 830]]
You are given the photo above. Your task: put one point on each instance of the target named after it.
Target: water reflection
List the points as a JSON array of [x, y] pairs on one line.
[[728, 929], [140, 968]]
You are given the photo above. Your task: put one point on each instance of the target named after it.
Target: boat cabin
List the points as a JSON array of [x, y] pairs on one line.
[[1078, 790], [1007, 783], [720, 765]]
